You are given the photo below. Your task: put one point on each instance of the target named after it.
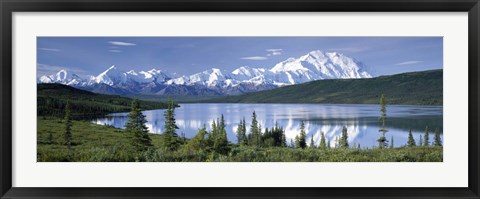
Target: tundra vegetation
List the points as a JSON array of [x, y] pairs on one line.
[[61, 138]]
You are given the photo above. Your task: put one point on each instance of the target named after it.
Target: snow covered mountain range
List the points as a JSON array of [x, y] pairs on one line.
[[315, 65]]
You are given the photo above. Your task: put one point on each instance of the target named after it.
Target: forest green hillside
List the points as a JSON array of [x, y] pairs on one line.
[[52, 98]]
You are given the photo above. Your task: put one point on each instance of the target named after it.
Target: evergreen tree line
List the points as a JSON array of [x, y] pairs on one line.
[[425, 140], [383, 142], [274, 137]]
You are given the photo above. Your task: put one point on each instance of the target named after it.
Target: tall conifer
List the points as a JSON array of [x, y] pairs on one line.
[[436, 139], [411, 140], [382, 141], [137, 129], [170, 137]]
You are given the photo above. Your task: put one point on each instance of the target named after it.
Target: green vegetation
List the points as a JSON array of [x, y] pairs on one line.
[[98, 143], [68, 130], [437, 140], [344, 138], [137, 129], [426, 138], [323, 145], [301, 139], [414, 88], [52, 99], [90, 142], [382, 141], [411, 140], [61, 138], [170, 137], [255, 128], [242, 132]]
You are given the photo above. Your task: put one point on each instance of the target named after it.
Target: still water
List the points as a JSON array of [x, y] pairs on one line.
[[361, 120]]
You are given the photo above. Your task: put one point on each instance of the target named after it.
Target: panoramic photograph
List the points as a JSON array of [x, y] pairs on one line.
[[240, 99]]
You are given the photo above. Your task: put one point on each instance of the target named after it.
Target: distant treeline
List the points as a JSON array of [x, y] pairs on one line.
[[52, 98]]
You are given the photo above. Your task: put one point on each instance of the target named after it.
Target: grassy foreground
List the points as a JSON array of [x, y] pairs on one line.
[[97, 143]]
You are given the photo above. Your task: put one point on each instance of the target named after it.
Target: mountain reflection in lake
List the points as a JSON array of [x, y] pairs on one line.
[[361, 120]]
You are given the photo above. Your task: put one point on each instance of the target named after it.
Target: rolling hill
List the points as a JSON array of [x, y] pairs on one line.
[[52, 98], [413, 88]]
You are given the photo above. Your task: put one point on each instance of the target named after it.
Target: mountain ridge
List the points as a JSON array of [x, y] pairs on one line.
[[315, 65]]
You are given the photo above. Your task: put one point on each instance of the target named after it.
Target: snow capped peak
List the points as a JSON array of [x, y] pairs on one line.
[[316, 54], [111, 76], [45, 79], [62, 75], [155, 71], [314, 65], [319, 65], [132, 72], [243, 70], [216, 70], [246, 73]]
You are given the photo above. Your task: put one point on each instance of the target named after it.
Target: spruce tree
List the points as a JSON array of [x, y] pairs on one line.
[[328, 145], [276, 135], [426, 138], [219, 134], [284, 139], [242, 133], [382, 141], [437, 140], [343, 142], [170, 137], [68, 129], [136, 128], [302, 138], [255, 131], [322, 145], [411, 140]]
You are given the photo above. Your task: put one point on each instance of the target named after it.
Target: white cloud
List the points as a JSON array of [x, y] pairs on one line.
[[50, 49], [256, 58], [408, 63], [274, 51], [115, 51], [121, 43]]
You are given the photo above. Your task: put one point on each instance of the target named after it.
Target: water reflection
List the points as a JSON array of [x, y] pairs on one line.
[[361, 120]]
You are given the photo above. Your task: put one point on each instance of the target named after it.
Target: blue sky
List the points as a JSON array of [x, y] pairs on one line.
[[188, 55]]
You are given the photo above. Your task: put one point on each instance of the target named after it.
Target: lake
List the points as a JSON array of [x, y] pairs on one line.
[[361, 120]]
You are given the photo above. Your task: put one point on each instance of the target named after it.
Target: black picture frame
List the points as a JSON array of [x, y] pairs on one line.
[[7, 7]]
